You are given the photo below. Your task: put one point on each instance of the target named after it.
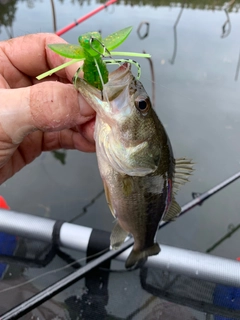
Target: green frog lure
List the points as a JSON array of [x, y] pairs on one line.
[[92, 49]]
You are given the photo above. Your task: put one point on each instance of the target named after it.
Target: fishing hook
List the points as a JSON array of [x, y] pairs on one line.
[[103, 46]]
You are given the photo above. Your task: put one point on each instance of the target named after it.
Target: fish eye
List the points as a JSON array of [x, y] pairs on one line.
[[143, 105]]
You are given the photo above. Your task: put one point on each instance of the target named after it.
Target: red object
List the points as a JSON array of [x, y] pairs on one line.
[[238, 259], [88, 15], [3, 203]]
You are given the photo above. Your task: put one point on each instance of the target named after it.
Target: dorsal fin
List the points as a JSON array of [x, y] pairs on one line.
[[173, 211], [183, 169]]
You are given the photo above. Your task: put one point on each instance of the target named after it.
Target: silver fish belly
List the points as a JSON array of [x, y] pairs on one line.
[[136, 162]]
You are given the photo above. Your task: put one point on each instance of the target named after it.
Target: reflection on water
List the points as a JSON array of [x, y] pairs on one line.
[[7, 15], [198, 4], [8, 10], [143, 34], [175, 36], [60, 155]]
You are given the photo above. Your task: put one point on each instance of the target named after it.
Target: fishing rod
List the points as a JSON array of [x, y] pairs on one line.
[[225, 237], [204, 196], [88, 15], [200, 198], [62, 284]]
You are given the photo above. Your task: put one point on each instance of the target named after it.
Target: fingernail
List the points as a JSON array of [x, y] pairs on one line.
[[85, 109]]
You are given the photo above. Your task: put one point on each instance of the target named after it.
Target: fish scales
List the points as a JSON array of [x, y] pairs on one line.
[[136, 162]]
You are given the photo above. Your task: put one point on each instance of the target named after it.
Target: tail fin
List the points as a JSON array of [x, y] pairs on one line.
[[138, 258]]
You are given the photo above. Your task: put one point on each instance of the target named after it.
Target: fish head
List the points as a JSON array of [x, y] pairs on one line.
[[126, 127]]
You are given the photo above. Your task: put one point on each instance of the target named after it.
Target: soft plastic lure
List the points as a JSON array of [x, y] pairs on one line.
[[92, 49]]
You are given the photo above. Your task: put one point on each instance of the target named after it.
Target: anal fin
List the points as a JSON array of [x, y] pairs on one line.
[[173, 211], [118, 236]]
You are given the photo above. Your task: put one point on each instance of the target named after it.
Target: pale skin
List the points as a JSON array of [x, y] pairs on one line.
[[37, 116]]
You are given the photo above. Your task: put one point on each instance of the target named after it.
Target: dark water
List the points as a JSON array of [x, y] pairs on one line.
[[197, 99]]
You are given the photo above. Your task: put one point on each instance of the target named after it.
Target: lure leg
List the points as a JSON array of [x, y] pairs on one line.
[[118, 61], [105, 50], [101, 79], [75, 77]]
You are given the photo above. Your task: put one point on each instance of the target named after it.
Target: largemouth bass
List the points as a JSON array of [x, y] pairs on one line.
[[136, 162]]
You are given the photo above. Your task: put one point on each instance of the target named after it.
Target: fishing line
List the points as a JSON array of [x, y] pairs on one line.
[[62, 284], [195, 99], [101, 79], [104, 93], [153, 79], [169, 89], [104, 47], [112, 61], [119, 61], [153, 82], [115, 270], [85, 208], [53, 271]]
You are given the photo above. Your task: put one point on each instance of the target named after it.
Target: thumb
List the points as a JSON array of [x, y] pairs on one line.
[[47, 106]]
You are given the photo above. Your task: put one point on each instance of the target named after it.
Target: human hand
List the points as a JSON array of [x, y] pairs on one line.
[[38, 116]]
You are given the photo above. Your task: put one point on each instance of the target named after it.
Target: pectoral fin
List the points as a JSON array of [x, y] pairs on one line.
[[118, 236], [108, 198]]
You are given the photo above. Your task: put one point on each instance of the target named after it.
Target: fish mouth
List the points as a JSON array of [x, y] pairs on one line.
[[115, 95], [120, 73], [117, 81]]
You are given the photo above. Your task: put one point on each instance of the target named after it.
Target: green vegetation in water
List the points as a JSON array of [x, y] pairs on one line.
[[92, 48], [60, 156]]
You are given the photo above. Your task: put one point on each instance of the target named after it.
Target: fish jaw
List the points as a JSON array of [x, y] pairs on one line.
[[104, 102]]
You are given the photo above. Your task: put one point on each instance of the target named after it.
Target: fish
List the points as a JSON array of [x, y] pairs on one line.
[[139, 172]]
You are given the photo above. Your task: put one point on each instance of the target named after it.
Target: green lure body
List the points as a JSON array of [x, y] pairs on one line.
[[91, 42], [91, 74], [91, 49]]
